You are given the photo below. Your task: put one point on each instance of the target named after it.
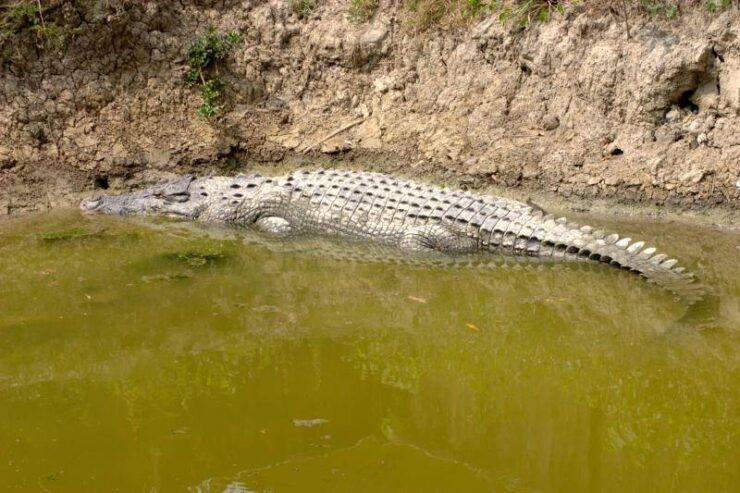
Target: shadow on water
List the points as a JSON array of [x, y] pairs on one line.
[[701, 316], [167, 356]]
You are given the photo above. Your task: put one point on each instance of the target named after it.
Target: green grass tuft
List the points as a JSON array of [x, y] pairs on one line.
[[302, 8], [523, 13], [362, 10]]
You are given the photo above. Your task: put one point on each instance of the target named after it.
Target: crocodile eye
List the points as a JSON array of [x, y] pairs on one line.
[[177, 197]]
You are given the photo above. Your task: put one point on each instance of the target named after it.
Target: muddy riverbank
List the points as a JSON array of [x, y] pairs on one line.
[[575, 112]]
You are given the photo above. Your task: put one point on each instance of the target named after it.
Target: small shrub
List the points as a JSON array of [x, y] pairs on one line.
[[210, 91], [714, 5], [302, 8], [209, 49], [362, 10], [23, 13], [656, 8], [652, 8], [476, 7], [671, 11], [27, 15], [204, 56]]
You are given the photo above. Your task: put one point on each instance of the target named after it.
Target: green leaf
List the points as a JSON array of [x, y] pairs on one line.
[[544, 14], [193, 75], [207, 110]]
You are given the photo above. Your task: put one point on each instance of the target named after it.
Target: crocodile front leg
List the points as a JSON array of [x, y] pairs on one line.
[[273, 225]]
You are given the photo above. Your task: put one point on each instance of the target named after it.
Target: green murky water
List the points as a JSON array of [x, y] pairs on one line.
[[150, 358]]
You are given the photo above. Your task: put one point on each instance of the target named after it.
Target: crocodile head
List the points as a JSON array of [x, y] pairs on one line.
[[171, 198]]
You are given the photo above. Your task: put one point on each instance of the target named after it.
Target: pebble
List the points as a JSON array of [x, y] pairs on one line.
[[382, 84], [693, 176], [550, 122], [674, 114]]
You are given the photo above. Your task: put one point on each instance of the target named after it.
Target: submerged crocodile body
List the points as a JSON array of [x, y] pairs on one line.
[[386, 210]]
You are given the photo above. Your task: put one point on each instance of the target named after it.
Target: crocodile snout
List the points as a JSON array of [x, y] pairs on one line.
[[91, 204]]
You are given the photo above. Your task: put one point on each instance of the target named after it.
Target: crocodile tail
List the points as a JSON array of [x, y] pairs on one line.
[[570, 241]]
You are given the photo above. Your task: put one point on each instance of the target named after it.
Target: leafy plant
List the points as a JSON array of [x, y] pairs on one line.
[[204, 56], [653, 8], [24, 12], [713, 5], [362, 10], [474, 8], [27, 14]]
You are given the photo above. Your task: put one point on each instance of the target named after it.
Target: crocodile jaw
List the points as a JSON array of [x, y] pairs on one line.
[[169, 198]]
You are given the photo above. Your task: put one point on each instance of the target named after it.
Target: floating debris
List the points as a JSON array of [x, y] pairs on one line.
[[195, 258], [309, 423], [171, 276], [472, 327]]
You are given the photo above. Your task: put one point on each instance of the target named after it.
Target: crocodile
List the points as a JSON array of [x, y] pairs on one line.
[[397, 213]]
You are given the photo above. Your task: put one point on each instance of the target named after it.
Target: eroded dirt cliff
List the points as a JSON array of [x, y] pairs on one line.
[[574, 106]]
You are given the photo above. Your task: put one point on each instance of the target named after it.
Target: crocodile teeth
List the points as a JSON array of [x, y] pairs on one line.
[[587, 229], [612, 238], [635, 247], [598, 234], [624, 242]]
